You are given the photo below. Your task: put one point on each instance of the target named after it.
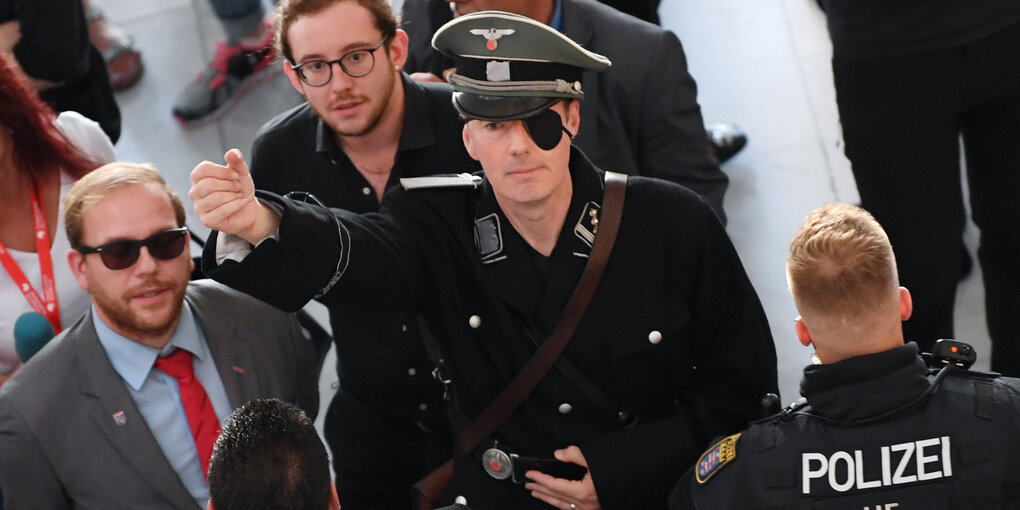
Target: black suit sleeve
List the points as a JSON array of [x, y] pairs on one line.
[[332, 255], [672, 144]]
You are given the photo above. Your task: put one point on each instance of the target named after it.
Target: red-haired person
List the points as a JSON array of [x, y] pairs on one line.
[[41, 155]]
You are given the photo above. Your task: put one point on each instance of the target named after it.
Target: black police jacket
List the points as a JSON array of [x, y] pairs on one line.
[[871, 438], [675, 334]]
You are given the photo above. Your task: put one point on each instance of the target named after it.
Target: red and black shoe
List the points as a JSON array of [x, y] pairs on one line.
[[232, 71]]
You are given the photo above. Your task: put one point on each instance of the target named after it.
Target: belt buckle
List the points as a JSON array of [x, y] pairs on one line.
[[497, 463]]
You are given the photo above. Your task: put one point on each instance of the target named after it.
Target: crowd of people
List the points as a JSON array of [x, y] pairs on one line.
[[518, 231]]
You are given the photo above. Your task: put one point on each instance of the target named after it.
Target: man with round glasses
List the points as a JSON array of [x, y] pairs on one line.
[[364, 126], [134, 392], [673, 347]]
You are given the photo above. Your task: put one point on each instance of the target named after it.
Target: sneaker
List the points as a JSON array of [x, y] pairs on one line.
[[233, 70], [123, 61]]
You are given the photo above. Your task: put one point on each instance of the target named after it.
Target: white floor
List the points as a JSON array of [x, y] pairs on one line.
[[762, 64]]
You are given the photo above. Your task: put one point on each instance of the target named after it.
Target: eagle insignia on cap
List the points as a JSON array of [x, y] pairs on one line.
[[492, 35]]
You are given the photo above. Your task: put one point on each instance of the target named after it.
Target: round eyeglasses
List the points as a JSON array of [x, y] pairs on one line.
[[357, 63]]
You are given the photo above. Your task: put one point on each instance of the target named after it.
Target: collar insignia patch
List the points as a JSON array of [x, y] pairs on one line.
[[716, 457], [492, 35], [588, 224], [489, 239]]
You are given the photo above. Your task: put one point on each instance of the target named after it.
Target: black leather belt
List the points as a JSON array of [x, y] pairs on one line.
[[501, 464]]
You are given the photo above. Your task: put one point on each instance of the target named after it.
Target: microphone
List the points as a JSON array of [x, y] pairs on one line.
[[31, 332]]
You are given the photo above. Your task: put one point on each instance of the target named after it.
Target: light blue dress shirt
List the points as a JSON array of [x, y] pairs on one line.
[[557, 18], [158, 398]]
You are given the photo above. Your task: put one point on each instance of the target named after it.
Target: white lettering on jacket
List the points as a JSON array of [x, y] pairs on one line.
[[845, 470]]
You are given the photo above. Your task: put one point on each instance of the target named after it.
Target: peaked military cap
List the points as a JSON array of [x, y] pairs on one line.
[[510, 66]]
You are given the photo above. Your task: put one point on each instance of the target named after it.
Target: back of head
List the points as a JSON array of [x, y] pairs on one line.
[[842, 274], [269, 457], [103, 181], [39, 147], [288, 11]]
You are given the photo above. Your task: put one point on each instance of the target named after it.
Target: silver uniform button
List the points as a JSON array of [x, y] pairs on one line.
[[474, 321], [366, 190], [423, 407], [411, 371], [654, 337], [565, 408], [403, 328]]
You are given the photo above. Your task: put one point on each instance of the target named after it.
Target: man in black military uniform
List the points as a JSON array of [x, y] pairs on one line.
[[674, 338], [364, 126], [875, 430], [639, 117]]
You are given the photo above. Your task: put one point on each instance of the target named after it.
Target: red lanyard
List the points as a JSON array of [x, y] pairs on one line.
[[47, 305]]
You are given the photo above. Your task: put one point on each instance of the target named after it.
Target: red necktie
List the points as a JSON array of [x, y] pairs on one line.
[[205, 426]]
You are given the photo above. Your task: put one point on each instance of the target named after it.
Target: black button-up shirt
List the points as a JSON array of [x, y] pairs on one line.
[[381, 357]]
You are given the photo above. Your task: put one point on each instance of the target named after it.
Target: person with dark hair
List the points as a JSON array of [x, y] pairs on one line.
[[123, 407], [672, 349], [364, 126], [41, 155], [48, 40], [269, 457], [876, 427]]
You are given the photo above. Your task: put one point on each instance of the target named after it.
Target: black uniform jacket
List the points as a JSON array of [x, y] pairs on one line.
[[675, 333], [866, 441], [381, 358]]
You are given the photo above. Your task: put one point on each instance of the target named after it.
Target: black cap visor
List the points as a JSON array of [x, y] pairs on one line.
[[500, 108]]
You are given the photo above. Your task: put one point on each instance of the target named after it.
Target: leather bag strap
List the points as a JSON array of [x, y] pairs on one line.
[[429, 489], [528, 378]]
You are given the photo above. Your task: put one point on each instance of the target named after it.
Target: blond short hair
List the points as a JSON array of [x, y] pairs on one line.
[[102, 181], [841, 264]]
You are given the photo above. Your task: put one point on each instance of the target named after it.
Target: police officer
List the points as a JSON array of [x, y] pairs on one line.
[[875, 430], [674, 341]]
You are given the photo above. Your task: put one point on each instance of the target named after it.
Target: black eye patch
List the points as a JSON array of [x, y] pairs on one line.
[[545, 129]]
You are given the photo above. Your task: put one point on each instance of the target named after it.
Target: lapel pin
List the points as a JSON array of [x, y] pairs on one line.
[[238, 369], [119, 418]]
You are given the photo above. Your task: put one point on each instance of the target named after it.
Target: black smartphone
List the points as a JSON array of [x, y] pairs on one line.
[[551, 467]]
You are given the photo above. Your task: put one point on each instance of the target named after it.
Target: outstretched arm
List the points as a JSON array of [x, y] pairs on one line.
[[224, 197]]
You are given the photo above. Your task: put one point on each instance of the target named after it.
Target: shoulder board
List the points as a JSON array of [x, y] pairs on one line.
[[442, 181], [975, 374], [717, 456]]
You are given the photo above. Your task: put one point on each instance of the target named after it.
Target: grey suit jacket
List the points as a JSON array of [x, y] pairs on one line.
[[61, 445], [639, 117]]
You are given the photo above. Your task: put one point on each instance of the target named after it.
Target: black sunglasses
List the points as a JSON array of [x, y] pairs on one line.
[[165, 245]]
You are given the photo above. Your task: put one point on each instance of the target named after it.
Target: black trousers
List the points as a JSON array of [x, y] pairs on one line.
[[903, 119], [378, 458]]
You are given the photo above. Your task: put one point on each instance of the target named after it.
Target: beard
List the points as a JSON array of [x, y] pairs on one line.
[[375, 106], [142, 324]]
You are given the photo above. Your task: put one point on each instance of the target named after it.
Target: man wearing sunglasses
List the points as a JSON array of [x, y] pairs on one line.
[[673, 348], [364, 126], [122, 409]]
